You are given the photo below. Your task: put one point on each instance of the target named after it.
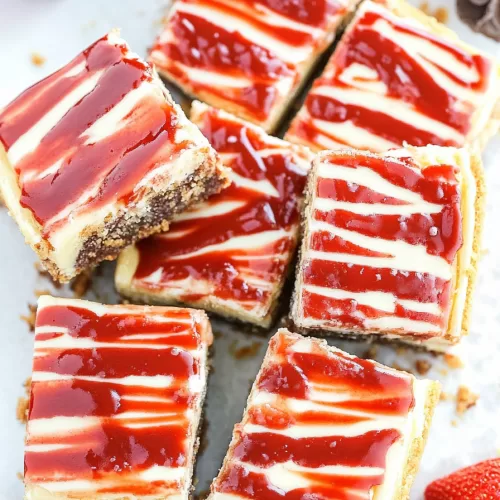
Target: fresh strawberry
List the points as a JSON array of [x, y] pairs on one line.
[[477, 482]]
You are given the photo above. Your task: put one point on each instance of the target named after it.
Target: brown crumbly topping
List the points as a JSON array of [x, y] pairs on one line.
[[465, 399], [37, 59], [371, 353], [454, 362], [81, 284], [422, 366], [30, 318], [45, 274], [248, 351]]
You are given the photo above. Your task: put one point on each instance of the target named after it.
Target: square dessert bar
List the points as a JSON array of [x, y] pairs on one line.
[[249, 57], [391, 244], [116, 401], [320, 423], [398, 76], [98, 155], [230, 254]]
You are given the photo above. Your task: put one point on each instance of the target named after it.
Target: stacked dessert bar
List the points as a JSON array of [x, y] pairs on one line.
[[97, 161]]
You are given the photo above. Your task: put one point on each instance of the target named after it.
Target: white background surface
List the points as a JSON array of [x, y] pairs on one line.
[[58, 29]]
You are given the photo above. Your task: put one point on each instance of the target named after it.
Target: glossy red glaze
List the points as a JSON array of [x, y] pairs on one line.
[[230, 271], [406, 79], [89, 174], [113, 448], [195, 41], [368, 389], [439, 233]]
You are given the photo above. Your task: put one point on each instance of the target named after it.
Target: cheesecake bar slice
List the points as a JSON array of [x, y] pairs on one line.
[[231, 254], [398, 76], [391, 244], [116, 401], [247, 57], [320, 423], [98, 155]]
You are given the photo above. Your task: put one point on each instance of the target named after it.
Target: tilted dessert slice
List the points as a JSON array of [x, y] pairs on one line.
[[116, 401], [323, 424], [230, 254], [399, 76], [98, 155], [391, 244], [248, 57]]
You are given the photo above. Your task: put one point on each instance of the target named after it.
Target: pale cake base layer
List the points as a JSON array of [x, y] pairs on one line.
[[124, 282], [427, 395], [472, 208]]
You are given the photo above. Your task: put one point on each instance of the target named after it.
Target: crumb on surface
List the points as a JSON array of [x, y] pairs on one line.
[[422, 366], [465, 399], [30, 318], [401, 350], [37, 59], [454, 423], [444, 396], [440, 13], [20, 476], [244, 352], [453, 361], [443, 372], [23, 402], [44, 291], [22, 407], [81, 284]]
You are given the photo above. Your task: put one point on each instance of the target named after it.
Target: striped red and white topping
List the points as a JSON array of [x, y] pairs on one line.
[[381, 241], [321, 424], [393, 80], [93, 138], [115, 400], [248, 55], [233, 250]]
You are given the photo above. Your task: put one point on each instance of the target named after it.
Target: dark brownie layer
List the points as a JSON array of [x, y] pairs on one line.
[[127, 228]]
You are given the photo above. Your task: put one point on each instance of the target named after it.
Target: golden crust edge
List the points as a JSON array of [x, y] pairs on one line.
[[480, 203], [417, 447]]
